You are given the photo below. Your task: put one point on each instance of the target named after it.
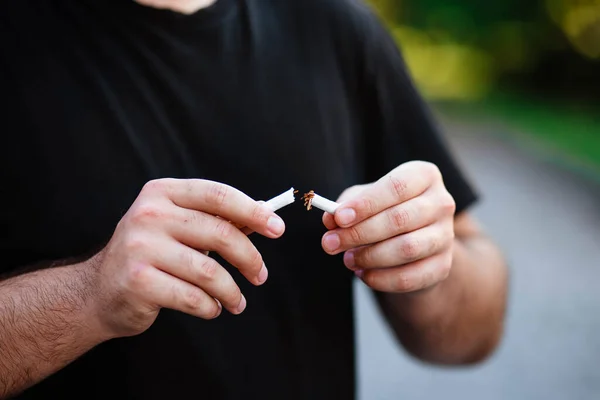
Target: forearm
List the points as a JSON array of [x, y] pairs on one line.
[[460, 320], [46, 321]]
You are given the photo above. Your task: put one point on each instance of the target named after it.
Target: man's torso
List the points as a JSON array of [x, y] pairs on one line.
[[104, 96]]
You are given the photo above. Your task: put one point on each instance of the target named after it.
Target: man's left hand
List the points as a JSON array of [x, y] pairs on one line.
[[397, 233]]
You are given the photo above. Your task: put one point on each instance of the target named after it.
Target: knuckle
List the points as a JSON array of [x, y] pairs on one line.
[[399, 186], [430, 169], [152, 186], [434, 245], [218, 194], [192, 299], [207, 269], [134, 244], [346, 192], [399, 218], [355, 235], [410, 249], [350, 192], [194, 269], [446, 267], [137, 278], [447, 204], [445, 241], [190, 185], [156, 186], [192, 217], [224, 232], [187, 261], [258, 213], [146, 211], [451, 235], [368, 205], [429, 279], [404, 284]]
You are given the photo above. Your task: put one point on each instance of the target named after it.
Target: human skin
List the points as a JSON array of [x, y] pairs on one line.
[[440, 281], [157, 258]]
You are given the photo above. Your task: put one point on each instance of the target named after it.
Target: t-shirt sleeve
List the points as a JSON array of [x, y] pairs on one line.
[[399, 126]]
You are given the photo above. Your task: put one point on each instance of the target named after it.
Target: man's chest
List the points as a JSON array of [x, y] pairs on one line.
[[95, 125]]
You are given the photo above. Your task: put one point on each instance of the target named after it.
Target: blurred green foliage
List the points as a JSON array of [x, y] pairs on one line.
[[534, 64], [464, 49]]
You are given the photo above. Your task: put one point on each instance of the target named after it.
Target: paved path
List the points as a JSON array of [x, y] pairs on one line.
[[548, 222]]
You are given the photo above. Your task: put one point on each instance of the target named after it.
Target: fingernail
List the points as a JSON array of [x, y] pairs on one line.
[[346, 216], [275, 225], [331, 242], [349, 259], [242, 306], [263, 275], [359, 274], [220, 309]]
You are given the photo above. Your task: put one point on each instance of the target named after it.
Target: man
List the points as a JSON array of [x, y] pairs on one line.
[[137, 136]]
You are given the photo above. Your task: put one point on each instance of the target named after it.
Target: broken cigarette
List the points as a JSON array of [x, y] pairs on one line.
[[311, 199], [276, 203], [284, 199]]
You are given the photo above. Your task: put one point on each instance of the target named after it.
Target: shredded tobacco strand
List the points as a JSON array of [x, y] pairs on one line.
[[308, 197]]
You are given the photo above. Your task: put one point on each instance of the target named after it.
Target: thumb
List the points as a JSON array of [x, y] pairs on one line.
[[352, 192], [348, 194]]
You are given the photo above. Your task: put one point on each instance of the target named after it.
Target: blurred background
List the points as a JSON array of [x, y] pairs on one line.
[[516, 87]]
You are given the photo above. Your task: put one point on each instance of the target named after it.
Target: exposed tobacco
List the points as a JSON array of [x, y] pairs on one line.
[[308, 198]]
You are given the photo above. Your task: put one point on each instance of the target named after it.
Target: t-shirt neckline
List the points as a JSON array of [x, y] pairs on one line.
[[205, 17]]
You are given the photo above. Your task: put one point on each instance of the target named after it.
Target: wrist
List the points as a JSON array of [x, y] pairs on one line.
[[95, 302], [417, 308]]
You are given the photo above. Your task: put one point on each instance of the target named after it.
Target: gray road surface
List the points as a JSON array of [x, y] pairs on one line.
[[548, 222]]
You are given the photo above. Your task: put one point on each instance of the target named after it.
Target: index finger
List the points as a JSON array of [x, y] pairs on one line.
[[224, 201], [402, 184]]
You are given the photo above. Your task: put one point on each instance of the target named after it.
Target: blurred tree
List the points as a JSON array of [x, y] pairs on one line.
[[463, 49], [387, 9], [580, 20]]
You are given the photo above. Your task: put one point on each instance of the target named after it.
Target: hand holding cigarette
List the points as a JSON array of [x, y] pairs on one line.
[[397, 233], [154, 259]]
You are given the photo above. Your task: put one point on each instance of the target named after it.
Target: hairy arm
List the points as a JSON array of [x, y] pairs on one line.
[[50, 317], [460, 320], [46, 321]]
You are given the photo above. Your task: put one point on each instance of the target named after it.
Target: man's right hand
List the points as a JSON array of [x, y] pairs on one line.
[[158, 258]]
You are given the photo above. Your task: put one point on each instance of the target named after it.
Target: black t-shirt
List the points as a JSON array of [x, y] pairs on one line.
[[100, 96]]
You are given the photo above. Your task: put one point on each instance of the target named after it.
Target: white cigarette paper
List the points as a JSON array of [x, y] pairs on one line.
[[284, 199], [276, 203], [311, 199], [324, 204]]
